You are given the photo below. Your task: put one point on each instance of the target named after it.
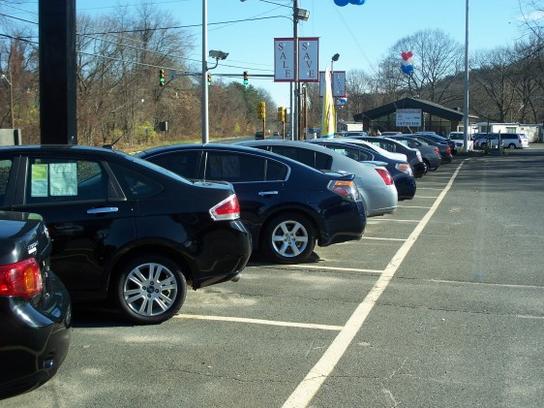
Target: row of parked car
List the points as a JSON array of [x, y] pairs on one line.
[[137, 231]]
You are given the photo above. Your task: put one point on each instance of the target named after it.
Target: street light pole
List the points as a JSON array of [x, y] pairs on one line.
[[467, 83], [204, 97], [296, 107]]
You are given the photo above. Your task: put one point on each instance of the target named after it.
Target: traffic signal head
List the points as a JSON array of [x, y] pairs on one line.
[[262, 110], [281, 114], [162, 81], [246, 78], [209, 79]]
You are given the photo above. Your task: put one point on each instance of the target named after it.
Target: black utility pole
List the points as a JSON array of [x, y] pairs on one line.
[[58, 71]]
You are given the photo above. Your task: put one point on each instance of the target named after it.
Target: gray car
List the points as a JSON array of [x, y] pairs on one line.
[[374, 182], [430, 154]]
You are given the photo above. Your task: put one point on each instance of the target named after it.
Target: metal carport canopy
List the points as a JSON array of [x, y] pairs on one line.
[[411, 103]]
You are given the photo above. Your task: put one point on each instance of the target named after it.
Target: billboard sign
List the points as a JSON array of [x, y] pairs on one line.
[[408, 117]]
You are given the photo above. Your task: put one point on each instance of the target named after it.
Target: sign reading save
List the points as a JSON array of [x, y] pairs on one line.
[[408, 117]]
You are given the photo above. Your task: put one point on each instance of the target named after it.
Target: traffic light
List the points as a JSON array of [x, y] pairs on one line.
[[162, 81], [209, 79], [284, 114], [281, 114], [246, 79], [262, 110]]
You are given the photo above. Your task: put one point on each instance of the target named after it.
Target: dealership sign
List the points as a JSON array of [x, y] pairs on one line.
[[308, 59], [408, 117]]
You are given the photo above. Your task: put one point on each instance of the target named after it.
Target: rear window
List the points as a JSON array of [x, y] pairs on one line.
[[301, 155], [184, 163]]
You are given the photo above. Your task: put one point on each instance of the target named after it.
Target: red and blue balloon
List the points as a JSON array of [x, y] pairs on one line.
[[407, 65], [343, 3]]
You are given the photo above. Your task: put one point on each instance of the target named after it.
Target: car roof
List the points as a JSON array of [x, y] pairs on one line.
[[224, 147], [338, 158], [87, 150]]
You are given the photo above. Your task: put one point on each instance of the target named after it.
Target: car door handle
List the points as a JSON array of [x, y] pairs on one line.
[[267, 193], [102, 210]]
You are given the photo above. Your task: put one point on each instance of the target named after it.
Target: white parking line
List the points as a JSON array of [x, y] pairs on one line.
[[530, 317], [332, 268], [260, 321], [389, 220], [310, 385], [429, 197], [414, 206], [502, 285], [429, 188], [384, 239]]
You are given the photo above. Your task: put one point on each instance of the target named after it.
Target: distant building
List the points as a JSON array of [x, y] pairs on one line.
[[533, 131]]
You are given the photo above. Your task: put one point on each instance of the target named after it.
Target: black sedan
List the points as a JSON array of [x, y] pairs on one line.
[[286, 205], [34, 305], [401, 171], [126, 229]]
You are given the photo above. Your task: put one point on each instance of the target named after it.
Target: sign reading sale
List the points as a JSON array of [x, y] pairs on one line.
[[308, 59]]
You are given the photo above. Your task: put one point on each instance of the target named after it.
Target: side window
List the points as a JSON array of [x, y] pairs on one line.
[[301, 155], [234, 167], [5, 169], [364, 155], [186, 164], [322, 161], [275, 171], [135, 184], [61, 180], [390, 147]]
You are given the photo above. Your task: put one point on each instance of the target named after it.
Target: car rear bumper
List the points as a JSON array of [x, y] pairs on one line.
[[419, 169], [406, 186], [341, 223], [223, 254], [33, 344]]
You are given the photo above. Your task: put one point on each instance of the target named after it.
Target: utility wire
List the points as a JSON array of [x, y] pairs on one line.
[[142, 49]]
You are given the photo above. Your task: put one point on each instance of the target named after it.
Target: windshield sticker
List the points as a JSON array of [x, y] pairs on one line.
[[39, 184], [63, 179]]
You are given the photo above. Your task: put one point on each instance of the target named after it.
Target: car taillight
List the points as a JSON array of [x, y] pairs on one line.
[[404, 167], [21, 279], [437, 150], [384, 174], [228, 209], [344, 188]]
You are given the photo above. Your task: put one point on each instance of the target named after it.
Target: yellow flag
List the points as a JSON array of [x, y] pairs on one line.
[[328, 118]]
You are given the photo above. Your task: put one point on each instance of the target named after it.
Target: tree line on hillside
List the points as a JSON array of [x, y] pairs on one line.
[[119, 57]]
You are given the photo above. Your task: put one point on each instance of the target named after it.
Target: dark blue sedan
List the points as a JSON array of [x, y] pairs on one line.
[[401, 171], [286, 205]]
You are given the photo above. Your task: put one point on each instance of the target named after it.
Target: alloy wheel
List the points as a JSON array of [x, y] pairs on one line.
[[289, 238], [150, 289]]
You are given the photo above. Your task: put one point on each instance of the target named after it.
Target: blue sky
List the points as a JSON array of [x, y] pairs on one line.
[[361, 34]]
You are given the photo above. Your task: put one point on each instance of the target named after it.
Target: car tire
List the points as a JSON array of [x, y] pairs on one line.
[[288, 238], [512, 146], [151, 289]]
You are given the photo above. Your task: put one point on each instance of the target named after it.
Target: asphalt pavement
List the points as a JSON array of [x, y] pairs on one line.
[[440, 305]]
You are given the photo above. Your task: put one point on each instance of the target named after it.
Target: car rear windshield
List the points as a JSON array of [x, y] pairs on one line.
[[156, 168]]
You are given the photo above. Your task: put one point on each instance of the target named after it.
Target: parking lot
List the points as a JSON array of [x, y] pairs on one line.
[[440, 304]]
